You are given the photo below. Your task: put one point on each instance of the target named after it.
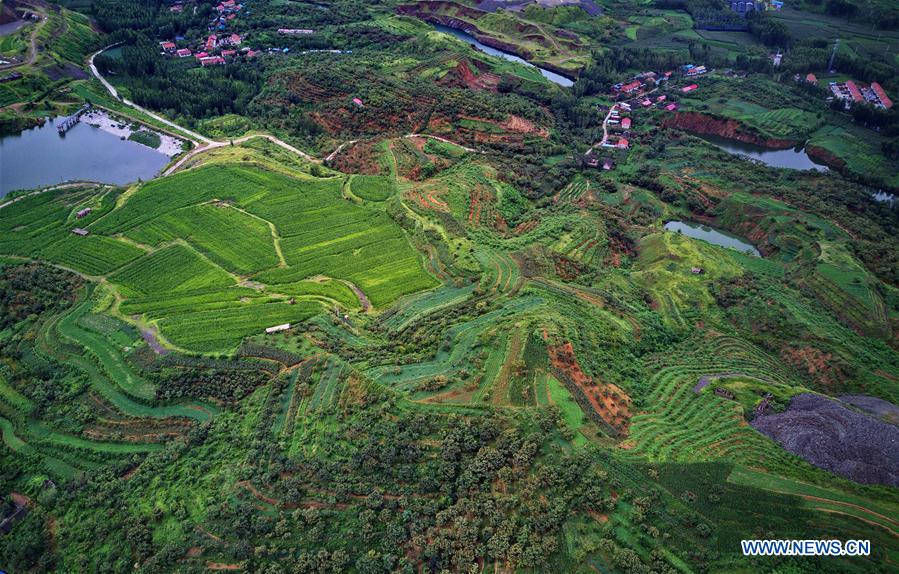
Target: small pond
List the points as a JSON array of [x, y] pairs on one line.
[[711, 235], [793, 158], [40, 156], [466, 37]]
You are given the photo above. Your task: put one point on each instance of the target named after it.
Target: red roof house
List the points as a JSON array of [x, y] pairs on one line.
[[623, 143], [168, 45], [881, 95], [228, 53], [689, 88], [811, 79], [183, 53], [854, 92], [626, 123], [631, 87], [212, 61], [235, 39], [210, 42]]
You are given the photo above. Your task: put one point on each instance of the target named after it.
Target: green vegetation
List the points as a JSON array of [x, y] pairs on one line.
[[147, 138], [448, 341]]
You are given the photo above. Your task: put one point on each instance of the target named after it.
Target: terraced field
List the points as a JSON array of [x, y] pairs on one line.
[[686, 426], [176, 249]]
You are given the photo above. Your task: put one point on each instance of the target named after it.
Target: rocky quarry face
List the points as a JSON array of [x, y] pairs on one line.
[[830, 435]]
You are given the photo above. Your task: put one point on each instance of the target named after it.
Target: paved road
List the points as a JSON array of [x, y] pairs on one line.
[[208, 144], [109, 87], [32, 42]]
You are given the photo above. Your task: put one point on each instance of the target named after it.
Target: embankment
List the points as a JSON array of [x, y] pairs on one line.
[[707, 124], [425, 11]]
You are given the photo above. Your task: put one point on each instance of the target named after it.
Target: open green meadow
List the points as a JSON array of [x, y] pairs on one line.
[[394, 320]]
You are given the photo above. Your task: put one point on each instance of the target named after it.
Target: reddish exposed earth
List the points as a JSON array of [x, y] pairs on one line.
[[608, 401]]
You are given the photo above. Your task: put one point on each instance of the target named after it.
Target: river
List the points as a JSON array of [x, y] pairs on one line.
[[711, 235], [40, 156], [793, 158], [466, 37]]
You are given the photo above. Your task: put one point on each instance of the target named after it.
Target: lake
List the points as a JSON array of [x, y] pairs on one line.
[[40, 156], [711, 235], [793, 158], [466, 37]]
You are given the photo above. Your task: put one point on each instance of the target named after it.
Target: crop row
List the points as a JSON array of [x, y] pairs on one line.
[[175, 268]]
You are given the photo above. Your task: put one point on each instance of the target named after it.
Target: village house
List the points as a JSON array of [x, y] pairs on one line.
[[184, 53], [875, 95], [631, 87], [724, 393], [212, 61], [846, 91], [622, 144], [211, 42], [234, 39], [177, 8], [228, 53], [689, 88], [626, 123], [696, 71], [672, 107], [168, 47], [811, 79], [83, 213]]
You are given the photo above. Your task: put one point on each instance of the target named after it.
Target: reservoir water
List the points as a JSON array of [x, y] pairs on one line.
[[793, 158], [40, 156], [711, 235], [466, 37]]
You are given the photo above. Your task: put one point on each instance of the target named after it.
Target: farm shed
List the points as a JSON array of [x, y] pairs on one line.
[[83, 213], [80, 231], [278, 328]]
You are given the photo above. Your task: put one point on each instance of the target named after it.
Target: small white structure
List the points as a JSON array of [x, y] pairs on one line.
[[277, 328]]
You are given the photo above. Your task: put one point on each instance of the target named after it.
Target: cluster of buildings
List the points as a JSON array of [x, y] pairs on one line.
[[224, 13], [744, 7], [691, 71], [648, 81], [852, 93], [642, 82], [217, 49]]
